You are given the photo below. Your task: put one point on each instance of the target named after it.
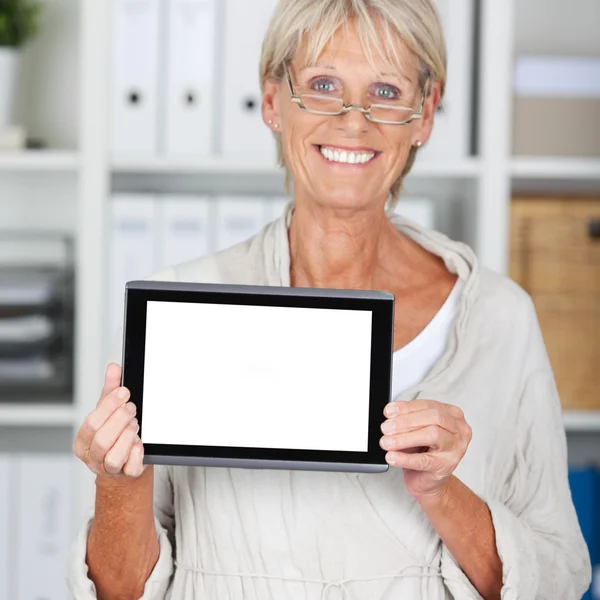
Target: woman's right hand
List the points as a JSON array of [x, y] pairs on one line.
[[107, 441]]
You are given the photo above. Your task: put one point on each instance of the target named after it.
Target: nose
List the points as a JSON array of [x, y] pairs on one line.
[[353, 122]]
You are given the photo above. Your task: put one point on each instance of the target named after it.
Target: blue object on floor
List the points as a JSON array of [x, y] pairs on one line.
[[585, 490]]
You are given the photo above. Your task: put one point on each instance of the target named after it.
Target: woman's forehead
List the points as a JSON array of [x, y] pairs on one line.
[[347, 48]]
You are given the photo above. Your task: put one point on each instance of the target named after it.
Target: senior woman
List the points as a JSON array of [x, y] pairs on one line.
[[476, 501]]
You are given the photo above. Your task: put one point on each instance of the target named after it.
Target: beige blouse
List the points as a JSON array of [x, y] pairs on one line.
[[233, 534]]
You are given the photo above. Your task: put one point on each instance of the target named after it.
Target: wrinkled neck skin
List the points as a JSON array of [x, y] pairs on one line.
[[349, 249]]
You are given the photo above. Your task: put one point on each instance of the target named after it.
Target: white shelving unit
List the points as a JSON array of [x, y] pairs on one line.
[[34, 415], [90, 174], [467, 168], [556, 168], [40, 161]]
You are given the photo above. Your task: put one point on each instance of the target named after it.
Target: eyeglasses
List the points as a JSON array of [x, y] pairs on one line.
[[387, 114]]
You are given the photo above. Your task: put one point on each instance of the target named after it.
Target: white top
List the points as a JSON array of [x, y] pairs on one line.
[[257, 534], [412, 362]]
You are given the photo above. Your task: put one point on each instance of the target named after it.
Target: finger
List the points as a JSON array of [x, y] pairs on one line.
[[118, 455], [424, 461], [405, 407], [433, 416], [431, 436], [108, 434], [112, 380], [135, 464], [96, 420]]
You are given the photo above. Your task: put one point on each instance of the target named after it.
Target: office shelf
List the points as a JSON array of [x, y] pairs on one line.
[[555, 168], [469, 167], [39, 160], [26, 414], [582, 420]]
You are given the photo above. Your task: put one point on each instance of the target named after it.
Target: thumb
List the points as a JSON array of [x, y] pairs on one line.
[[112, 379]]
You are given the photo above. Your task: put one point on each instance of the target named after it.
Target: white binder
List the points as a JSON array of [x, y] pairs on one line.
[[189, 89], [135, 72], [6, 490], [184, 231], [44, 525], [237, 219], [419, 210], [131, 247], [243, 132], [452, 131]]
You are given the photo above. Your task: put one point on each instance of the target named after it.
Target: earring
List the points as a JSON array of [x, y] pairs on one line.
[[418, 143], [270, 122], [276, 125]]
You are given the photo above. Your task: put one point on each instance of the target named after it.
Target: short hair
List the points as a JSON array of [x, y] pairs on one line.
[[414, 22]]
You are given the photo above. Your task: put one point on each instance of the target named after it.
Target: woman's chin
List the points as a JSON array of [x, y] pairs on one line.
[[345, 201]]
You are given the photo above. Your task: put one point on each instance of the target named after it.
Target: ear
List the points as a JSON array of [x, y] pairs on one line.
[[270, 105], [425, 123]]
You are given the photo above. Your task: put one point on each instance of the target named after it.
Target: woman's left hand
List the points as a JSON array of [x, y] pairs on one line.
[[427, 439]]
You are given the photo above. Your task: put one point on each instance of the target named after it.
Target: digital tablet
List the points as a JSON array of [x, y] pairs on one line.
[[259, 377]]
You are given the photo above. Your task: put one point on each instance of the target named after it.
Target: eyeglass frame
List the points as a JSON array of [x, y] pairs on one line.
[[417, 114]]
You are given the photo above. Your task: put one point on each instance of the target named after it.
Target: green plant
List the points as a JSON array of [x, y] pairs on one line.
[[19, 21]]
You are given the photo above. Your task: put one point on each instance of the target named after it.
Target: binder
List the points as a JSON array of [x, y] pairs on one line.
[[585, 491], [275, 207], [135, 72], [190, 54], [44, 525], [184, 230], [243, 131], [5, 532], [452, 130], [131, 247], [238, 218], [419, 210]]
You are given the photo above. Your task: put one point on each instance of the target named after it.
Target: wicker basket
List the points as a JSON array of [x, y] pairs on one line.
[[555, 257]]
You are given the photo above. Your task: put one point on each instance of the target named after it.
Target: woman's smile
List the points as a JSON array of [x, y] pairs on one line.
[[347, 157]]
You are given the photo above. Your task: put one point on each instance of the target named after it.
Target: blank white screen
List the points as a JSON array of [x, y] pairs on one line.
[[256, 376]]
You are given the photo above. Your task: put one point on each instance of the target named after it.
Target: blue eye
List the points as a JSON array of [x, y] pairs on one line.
[[323, 86], [385, 91]]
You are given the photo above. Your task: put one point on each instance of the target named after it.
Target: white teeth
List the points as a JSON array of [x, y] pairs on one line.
[[345, 156]]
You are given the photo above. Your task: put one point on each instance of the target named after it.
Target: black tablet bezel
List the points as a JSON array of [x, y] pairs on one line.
[[381, 305]]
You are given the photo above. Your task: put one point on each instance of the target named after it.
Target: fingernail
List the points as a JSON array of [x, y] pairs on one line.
[[131, 408], [391, 409], [134, 423], [386, 442], [123, 393], [387, 427]]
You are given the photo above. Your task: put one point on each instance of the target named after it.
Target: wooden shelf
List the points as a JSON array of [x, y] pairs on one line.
[[582, 420], [46, 415], [39, 160]]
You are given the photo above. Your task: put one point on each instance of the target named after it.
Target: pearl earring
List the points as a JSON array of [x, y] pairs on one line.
[[276, 125], [270, 122], [418, 143]]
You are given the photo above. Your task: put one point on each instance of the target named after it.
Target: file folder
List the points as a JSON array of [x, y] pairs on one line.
[[184, 231], [238, 218], [131, 247], [275, 207], [419, 210], [585, 491], [135, 73], [189, 89], [243, 131], [6, 490], [452, 131], [44, 525]]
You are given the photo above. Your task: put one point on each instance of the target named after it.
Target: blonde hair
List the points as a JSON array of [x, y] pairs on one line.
[[415, 22]]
